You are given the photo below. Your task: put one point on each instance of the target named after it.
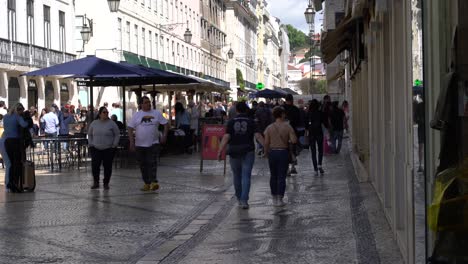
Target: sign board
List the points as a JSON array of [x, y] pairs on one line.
[[82, 83], [211, 139], [212, 134], [260, 86]]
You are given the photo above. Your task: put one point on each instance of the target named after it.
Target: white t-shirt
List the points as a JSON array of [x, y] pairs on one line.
[[146, 127], [51, 122]]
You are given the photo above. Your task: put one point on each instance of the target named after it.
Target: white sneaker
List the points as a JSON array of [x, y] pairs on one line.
[[275, 200], [280, 202]]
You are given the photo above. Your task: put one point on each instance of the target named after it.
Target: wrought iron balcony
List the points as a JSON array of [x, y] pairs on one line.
[[12, 52]]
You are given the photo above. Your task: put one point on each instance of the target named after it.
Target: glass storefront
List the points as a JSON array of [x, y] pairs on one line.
[[32, 93], [446, 125], [13, 91], [49, 94]]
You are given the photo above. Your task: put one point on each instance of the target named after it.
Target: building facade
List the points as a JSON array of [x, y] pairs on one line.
[[243, 38], [374, 40], [333, 14], [35, 34]]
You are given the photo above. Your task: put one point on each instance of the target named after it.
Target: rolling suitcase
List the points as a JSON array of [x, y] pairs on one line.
[[29, 174]]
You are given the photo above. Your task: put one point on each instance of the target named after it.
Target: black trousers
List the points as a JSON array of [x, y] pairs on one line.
[[316, 143], [105, 157], [14, 149]]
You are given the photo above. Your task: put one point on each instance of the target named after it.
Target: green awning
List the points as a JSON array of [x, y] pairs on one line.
[[144, 61], [131, 58], [171, 67], [155, 64]]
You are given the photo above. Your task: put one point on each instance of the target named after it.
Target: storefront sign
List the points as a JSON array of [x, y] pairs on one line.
[[211, 139], [82, 83]]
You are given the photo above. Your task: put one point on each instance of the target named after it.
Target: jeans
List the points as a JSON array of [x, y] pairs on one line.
[[105, 157], [336, 136], [148, 160], [241, 167], [316, 143], [278, 161]]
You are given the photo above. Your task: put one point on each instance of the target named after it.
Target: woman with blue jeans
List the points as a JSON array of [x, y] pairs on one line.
[[278, 136], [240, 134]]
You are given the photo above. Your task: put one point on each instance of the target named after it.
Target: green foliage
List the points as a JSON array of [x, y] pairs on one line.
[[242, 99], [309, 53], [240, 79], [297, 38], [312, 86]]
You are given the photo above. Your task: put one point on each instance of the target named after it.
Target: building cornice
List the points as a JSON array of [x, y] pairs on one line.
[[241, 9]]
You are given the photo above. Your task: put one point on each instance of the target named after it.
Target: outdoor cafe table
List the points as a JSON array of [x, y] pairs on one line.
[[54, 148]]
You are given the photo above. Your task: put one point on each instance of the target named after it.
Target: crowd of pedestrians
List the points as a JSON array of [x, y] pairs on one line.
[[277, 128], [278, 131]]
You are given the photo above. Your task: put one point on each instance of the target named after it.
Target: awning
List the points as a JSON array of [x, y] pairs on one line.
[[337, 75], [336, 41]]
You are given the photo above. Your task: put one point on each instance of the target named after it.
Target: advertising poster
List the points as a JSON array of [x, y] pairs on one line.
[[211, 139]]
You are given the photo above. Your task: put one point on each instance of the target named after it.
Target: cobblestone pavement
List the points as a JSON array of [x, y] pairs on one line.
[[194, 218]]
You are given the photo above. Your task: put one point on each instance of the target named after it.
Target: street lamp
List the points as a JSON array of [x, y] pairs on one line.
[[86, 31], [187, 34], [230, 53], [310, 17], [172, 26], [309, 14], [113, 5]]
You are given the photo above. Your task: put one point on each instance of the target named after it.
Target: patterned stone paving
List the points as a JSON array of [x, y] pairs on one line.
[[194, 218]]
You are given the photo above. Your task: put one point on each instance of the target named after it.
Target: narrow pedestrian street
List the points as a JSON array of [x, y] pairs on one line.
[[194, 218]]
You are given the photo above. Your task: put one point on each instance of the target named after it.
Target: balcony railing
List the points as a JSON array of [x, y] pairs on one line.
[[12, 52]]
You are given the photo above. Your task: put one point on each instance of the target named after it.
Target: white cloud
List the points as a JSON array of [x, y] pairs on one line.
[[292, 12]]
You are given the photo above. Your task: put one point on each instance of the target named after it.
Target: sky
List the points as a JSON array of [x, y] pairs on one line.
[[292, 12]]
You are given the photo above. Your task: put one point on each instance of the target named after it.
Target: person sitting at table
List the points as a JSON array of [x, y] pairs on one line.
[[103, 138], [182, 121]]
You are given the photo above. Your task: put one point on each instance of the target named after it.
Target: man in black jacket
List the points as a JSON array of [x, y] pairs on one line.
[[294, 116]]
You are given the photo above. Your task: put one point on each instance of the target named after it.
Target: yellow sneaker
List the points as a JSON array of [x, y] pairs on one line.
[[154, 186], [146, 188]]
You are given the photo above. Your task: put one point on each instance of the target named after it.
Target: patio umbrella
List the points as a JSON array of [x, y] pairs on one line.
[[89, 67], [267, 93]]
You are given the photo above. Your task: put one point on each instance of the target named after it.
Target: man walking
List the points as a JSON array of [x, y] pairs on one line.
[[240, 134], [293, 115], [337, 117], [145, 138]]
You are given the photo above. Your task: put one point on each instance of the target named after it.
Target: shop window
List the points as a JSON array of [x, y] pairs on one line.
[[13, 91], [64, 94], [49, 94], [32, 93]]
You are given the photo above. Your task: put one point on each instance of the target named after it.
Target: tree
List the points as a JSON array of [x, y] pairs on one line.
[[312, 86], [297, 38], [315, 51], [240, 79]]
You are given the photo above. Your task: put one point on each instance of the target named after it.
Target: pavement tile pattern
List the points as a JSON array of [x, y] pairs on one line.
[[194, 218]]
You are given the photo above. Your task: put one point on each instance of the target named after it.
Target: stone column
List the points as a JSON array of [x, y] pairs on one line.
[[56, 85], [73, 91], [4, 86], [23, 83], [40, 93]]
